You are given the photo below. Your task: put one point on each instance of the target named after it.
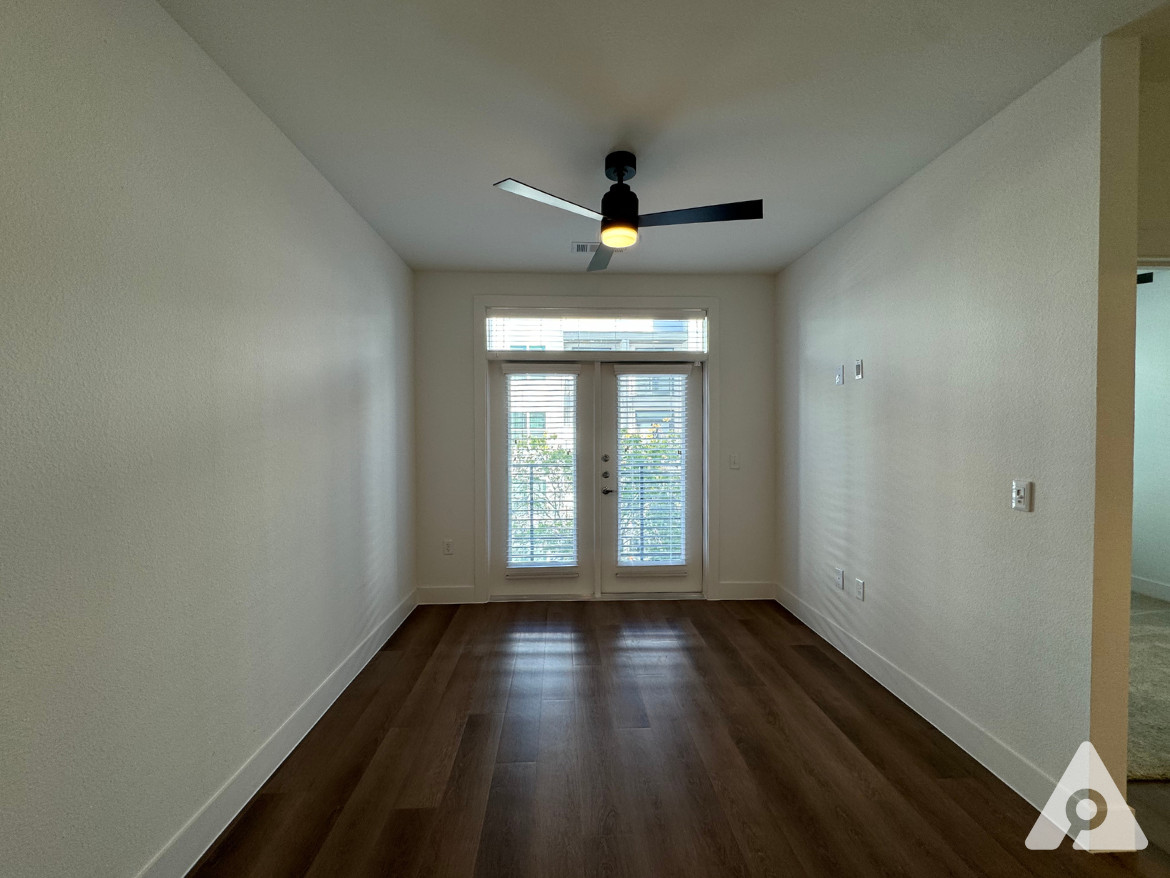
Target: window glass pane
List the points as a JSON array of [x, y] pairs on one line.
[[559, 332], [652, 458], [542, 469]]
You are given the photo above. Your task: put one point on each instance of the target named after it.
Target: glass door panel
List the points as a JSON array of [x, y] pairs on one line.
[[650, 429], [542, 532]]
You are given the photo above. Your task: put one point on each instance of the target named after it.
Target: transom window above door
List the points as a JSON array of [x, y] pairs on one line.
[[550, 329]]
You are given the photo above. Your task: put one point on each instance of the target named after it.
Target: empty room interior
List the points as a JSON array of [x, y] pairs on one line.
[[443, 438]]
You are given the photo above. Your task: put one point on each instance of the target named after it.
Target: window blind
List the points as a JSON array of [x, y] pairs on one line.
[[550, 330], [652, 464], [542, 469]]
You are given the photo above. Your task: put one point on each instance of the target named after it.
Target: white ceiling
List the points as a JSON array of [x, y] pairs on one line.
[[413, 108]]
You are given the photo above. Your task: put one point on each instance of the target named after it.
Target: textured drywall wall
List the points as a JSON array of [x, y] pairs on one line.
[[444, 351], [206, 431], [1151, 441], [971, 294]]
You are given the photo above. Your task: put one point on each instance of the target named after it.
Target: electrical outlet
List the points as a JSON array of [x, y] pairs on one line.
[[840, 577], [859, 589], [1022, 496], [840, 375], [448, 546]]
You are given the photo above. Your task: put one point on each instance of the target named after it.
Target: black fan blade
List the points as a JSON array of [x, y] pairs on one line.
[[715, 213], [600, 260], [518, 188]]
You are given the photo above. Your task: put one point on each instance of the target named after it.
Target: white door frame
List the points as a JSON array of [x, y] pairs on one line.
[[481, 395]]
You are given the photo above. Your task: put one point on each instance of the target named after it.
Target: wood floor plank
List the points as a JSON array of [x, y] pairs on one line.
[[245, 846], [520, 736], [793, 747], [398, 848], [505, 842], [612, 681], [699, 826], [943, 756], [319, 746], [902, 760], [490, 642], [1151, 802], [422, 630], [431, 762], [431, 685], [453, 842], [353, 835], [636, 738], [558, 841]]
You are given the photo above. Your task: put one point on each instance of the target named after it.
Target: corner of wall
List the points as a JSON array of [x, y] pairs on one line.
[[1116, 343], [1022, 775], [185, 848]]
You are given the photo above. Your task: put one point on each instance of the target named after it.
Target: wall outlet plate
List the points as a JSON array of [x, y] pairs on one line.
[[840, 375], [840, 577], [448, 546], [859, 589], [1021, 496]]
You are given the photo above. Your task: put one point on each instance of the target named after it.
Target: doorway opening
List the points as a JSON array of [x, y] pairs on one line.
[[1149, 640]]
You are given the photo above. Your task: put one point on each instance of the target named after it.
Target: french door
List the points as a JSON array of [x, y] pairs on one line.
[[596, 478]]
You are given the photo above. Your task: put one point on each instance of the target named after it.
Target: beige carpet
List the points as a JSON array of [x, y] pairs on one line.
[[1149, 689]]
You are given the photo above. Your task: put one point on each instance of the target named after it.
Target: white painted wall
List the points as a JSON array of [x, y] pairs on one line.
[[206, 395], [445, 425], [971, 293], [1151, 440]]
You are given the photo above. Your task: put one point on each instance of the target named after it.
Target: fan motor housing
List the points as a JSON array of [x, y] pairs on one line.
[[621, 166], [619, 206]]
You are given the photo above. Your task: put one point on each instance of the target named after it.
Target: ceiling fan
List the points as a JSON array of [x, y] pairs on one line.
[[619, 215]]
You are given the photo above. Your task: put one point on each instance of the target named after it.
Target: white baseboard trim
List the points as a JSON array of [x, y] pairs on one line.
[[725, 591], [1151, 588], [745, 591], [1016, 771], [197, 835], [446, 594]]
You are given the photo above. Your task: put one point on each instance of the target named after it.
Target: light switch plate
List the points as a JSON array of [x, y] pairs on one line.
[[733, 460], [859, 589], [840, 578], [1021, 496], [857, 373], [840, 375]]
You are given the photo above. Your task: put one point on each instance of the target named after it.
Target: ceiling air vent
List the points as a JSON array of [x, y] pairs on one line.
[[584, 246]]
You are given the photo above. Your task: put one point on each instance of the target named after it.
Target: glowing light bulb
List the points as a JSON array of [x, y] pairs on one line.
[[619, 237]]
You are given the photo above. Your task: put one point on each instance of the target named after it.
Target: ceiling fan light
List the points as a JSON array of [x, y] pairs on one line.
[[619, 237]]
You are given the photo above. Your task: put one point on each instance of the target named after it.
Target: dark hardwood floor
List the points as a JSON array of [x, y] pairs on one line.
[[632, 738]]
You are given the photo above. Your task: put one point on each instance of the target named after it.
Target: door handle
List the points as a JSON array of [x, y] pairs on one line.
[[607, 490]]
